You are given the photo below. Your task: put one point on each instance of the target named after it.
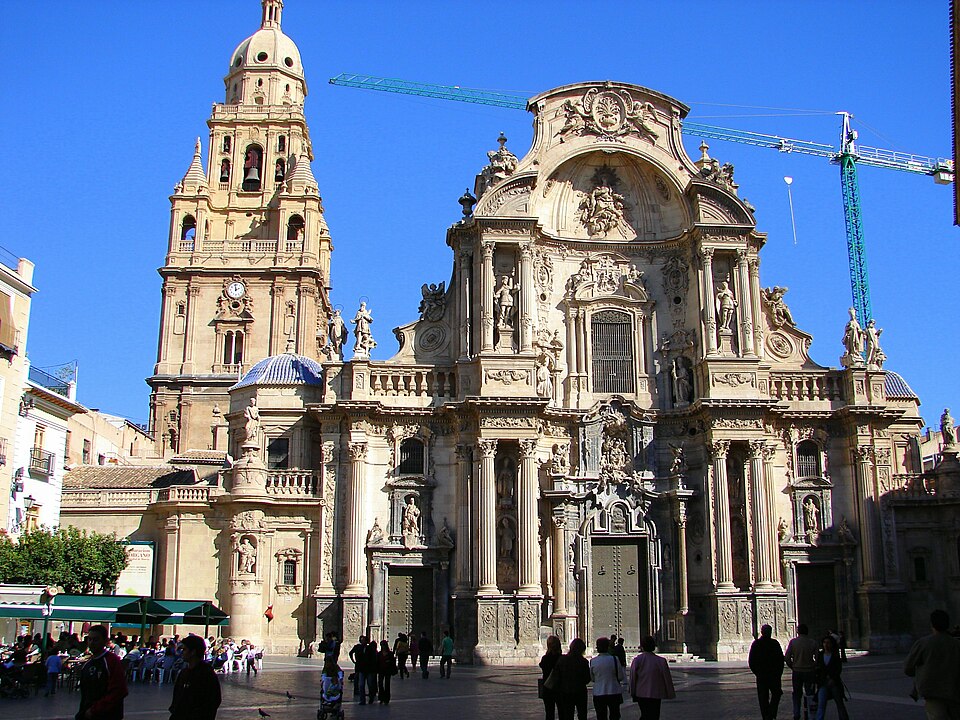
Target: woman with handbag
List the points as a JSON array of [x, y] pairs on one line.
[[572, 673], [608, 677], [829, 684], [547, 663]]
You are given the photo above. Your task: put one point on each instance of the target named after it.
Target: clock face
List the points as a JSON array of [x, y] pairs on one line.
[[235, 290]]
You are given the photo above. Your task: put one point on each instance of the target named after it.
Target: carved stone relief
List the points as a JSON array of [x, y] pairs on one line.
[[610, 114]]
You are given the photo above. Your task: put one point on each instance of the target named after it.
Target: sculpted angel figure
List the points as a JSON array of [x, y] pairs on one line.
[[875, 354], [364, 342], [375, 534], [573, 118], [779, 312], [601, 210], [726, 304], [640, 116], [431, 307]]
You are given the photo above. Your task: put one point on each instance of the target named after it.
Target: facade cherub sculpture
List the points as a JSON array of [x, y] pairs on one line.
[[432, 304], [780, 314]]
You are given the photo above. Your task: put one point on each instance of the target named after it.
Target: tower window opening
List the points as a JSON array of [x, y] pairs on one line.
[[238, 62], [260, 82], [280, 171], [278, 453], [612, 344], [181, 308], [252, 168], [226, 143], [295, 230], [411, 457], [261, 57], [288, 61], [224, 170], [808, 459], [287, 87], [233, 347], [188, 229], [282, 140]]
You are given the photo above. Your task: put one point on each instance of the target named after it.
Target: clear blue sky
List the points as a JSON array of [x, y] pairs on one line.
[[103, 102]]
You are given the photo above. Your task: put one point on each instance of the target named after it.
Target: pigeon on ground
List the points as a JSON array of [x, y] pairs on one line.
[[289, 696], [262, 713]]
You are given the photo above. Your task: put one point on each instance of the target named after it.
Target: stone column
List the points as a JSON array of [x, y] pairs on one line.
[[871, 559], [487, 535], [746, 305], [466, 282], [276, 327], [356, 565], [762, 572], [464, 547], [486, 297], [529, 536], [754, 264], [193, 310], [681, 557], [528, 302], [559, 563], [721, 511], [771, 540], [571, 355], [709, 300]]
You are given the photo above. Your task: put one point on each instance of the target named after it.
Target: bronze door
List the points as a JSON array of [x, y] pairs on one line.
[[409, 601], [817, 598], [617, 590]]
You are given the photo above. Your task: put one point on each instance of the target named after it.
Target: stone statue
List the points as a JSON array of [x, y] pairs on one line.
[[444, 538], [875, 355], [337, 334], [726, 304], [411, 523], [251, 427], [431, 307], [780, 314], [558, 460], [601, 210], [811, 519], [544, 380], [375, 534], [505, 484], [852, 342], [682, 388], [507, 537], [948, 432], [364, 341], [679, 463], [502, 164], [246, 556], [505, 302], [844, 533], [783, 530]]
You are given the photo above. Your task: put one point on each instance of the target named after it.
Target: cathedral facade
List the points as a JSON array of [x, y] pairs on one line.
[[605, 423]]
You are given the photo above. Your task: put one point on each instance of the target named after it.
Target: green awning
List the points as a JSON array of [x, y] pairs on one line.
[[126, 610], [100, 608], [185, 612]]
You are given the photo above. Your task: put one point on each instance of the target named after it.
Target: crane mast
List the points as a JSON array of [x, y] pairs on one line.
[[848, 156]]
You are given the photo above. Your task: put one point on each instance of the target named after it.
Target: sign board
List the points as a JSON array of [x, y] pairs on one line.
[[137, 577]]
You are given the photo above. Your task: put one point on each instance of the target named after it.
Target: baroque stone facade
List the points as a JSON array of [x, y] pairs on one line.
[[603, 424]]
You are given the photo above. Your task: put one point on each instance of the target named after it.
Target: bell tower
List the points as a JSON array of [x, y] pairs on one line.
[[248, 261]]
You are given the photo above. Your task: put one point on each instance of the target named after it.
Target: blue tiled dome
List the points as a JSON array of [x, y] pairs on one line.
[[897, 388], [286, 369]]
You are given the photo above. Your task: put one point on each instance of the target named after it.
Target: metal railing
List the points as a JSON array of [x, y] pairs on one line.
[[41, 461]]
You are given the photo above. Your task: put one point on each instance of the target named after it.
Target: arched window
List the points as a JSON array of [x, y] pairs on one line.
[[295, 226], [808, 459], [289, 572], [188, 228], [280, 171], [411, 457], [612, 345], [233, 347], [224, 170], [252, 168], [226, 143], [282, 140]]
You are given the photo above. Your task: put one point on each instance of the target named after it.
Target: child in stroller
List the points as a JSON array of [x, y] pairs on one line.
[[331, 692]]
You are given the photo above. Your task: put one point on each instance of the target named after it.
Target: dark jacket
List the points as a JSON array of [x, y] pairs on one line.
[[620, 653], [548, 662], [828, 673], [370, 654], [425, 647], [574, 675], [766, 658], [103, 686], [196, 695]]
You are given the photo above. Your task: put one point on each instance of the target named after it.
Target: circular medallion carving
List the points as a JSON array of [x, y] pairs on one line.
[[779, 345], [432, 338]]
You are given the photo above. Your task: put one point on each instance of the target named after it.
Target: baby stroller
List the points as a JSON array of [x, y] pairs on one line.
[[331, 698]]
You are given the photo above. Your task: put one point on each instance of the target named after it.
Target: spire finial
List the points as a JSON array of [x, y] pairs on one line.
[[196, 148], [703, 150], [271, 13], [502, 140]]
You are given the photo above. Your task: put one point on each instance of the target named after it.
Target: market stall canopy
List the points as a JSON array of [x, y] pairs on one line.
[[26, 602]]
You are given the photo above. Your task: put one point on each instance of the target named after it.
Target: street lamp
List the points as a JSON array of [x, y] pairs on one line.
[[28, 502]]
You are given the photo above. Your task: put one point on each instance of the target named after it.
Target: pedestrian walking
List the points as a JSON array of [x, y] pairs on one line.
[[934, 663], [103, 681], [370, 658], [650, 680], [829, 685], [54, 665], [386, 669], [608, 677], [356, 657], [547, 663], [446, 654], [424, 648], [618, 651], [196, 694], [573, 676], [766, 662], [800, 657], [401, 648]]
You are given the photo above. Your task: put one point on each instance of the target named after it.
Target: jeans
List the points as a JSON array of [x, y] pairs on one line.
[[605, 704], [383, 687], [424, 659], [826, 693], [550, 703], [448, 661], [402, 665], [371, 678], [769, 693], [52, 683], [802, 681], [364, 680]]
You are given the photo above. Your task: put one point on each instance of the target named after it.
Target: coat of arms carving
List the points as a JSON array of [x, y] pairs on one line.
[[610, 114]]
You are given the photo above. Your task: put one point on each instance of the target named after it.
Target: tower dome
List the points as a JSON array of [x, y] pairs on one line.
[[283, 370], [265, 69]]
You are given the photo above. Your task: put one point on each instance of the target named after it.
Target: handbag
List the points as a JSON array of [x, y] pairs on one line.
[[552, 681], [540, 688]]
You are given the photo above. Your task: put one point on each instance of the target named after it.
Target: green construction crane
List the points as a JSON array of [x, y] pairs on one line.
[[847, 156]]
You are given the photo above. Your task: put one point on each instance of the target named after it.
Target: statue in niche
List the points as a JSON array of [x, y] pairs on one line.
[[618, 520], [875, 354], [682, 385], [411, 523], [364, 341], [444, 537], [948, 432], [504, 300], [679, 463], [251, 427], [431, 307], [558, 460], [783, 530], [506, 537], [337, 334], [505, 483], [375, 534], [780, 314], [246, 556], [853, 339], [601, 210], [811, 519], [726, 304], [544, 379], [844, 533]]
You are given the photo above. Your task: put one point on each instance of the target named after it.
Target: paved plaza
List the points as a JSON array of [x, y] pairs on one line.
[[704, 690]]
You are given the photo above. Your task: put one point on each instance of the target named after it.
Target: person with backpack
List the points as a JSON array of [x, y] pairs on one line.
[[401, 648]]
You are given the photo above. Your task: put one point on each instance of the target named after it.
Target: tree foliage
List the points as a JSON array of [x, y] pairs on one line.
[[78, 562]]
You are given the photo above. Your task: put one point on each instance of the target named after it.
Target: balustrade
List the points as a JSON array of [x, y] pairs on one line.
[[293, 482], [423, 382], [800, 386]]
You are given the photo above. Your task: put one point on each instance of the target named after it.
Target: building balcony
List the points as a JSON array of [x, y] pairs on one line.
[[41, 461]]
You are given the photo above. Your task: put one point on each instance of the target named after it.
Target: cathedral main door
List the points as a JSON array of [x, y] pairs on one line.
[[617, 589], [409, 601], [817, 598]]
